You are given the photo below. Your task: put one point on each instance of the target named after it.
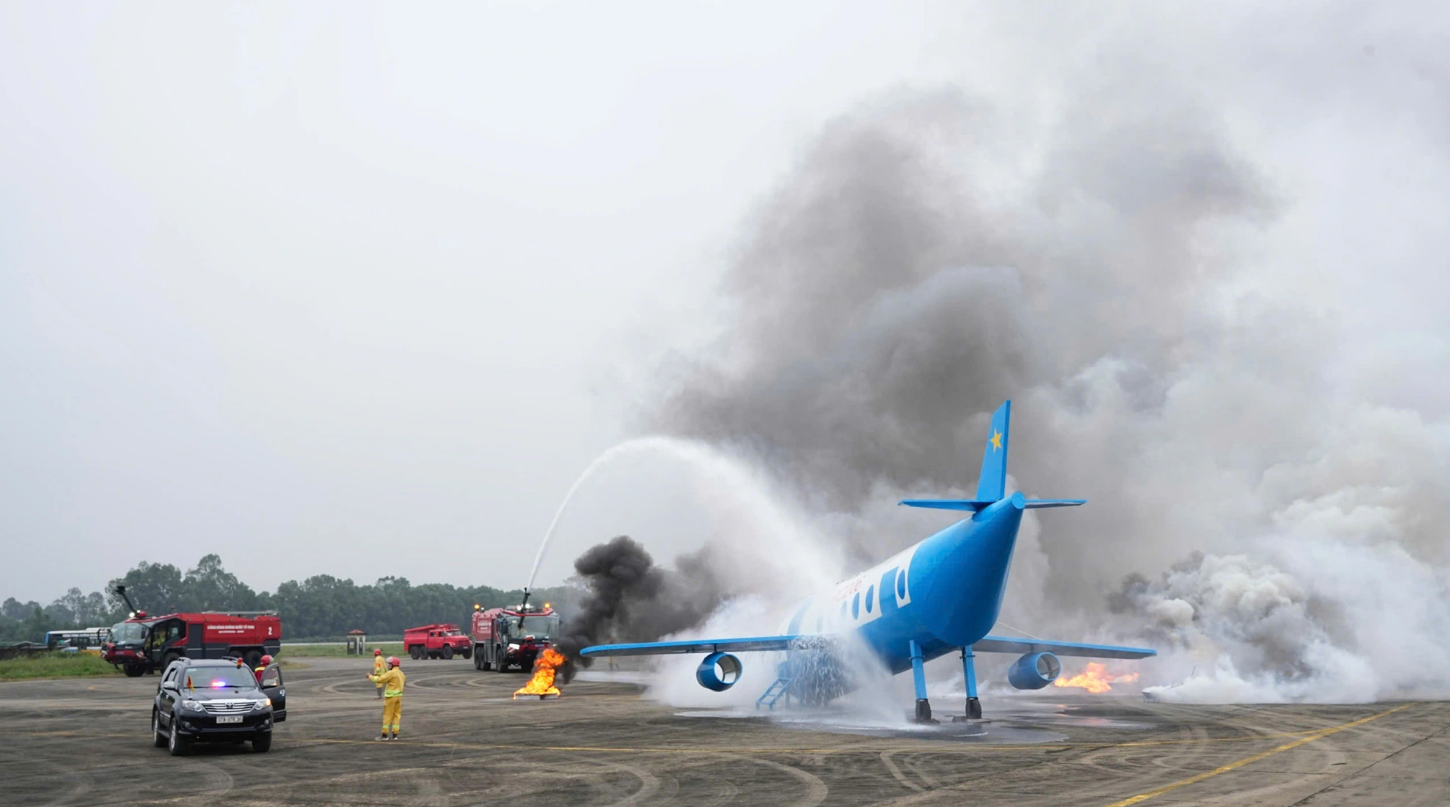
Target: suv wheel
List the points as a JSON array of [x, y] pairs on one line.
[[447, 651], [177, 743], [157, 738], [261, 742]]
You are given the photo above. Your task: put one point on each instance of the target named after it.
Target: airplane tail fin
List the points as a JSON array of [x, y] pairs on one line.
[[992, 484]]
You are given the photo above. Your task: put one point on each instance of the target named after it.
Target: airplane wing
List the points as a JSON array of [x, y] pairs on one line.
[[692, 646], [1012, 644], [988, 644]]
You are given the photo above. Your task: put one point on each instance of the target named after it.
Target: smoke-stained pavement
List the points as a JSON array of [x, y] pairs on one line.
[[466, 743]]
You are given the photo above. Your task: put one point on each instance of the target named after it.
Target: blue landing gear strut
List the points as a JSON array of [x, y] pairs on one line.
[[918, 675], [969, 670]]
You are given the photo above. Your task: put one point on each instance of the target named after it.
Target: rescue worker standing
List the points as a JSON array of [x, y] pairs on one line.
[[262, 667], [379, 667], [392, 681]]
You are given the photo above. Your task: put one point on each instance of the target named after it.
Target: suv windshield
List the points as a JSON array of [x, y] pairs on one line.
[[218, 678], [128, 633]]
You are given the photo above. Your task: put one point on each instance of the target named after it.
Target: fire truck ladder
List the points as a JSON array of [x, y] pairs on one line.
[[778, 689]]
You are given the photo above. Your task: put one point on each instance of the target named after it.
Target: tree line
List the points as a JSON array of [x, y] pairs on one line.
[[320, 607]]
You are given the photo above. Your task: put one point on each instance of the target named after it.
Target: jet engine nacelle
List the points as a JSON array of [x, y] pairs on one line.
[[718, 671], [1034, 671]]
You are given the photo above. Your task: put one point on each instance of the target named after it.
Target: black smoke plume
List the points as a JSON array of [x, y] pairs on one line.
[[630, 599]]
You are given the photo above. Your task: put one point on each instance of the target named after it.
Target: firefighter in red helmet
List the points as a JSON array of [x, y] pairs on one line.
[[262, 667], [380, 666], [392, 682]]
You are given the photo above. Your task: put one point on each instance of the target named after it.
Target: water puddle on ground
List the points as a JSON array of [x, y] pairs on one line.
[[1052, 714], [976, 731]]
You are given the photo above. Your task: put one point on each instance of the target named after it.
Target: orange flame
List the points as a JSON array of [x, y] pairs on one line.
[[1096, 679], [542, 684]]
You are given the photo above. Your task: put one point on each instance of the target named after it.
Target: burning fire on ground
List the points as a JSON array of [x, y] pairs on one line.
[[542, 684], [1095, 679]]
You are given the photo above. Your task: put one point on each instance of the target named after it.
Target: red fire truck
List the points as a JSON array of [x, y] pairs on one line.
[[512, 637], [145, 643], [436, 641]]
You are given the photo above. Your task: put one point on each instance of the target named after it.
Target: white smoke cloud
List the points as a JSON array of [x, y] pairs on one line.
[[1120, 287]]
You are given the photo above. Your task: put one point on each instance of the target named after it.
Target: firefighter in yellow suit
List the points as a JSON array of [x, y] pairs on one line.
[[392, 682], [379, 667]]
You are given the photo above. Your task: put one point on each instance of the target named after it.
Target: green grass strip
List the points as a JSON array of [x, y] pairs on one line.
[[54, 665]]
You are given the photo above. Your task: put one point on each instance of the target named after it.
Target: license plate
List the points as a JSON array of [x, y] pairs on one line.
[[229, 719]]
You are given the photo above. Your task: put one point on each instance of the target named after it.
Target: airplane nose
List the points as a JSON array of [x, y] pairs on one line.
[[965, 573]]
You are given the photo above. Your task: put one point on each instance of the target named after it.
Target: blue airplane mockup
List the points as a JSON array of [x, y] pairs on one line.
[[941, 595]]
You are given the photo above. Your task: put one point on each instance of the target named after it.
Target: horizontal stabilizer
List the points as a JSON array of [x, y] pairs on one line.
[[1012, 644], [974, 505], [1031, 503], [970, 505], [693, 646]]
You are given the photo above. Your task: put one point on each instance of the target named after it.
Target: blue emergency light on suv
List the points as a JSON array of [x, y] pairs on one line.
[[216, 701]]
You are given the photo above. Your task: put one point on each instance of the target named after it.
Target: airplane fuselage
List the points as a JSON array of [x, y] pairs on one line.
[[943, 593]]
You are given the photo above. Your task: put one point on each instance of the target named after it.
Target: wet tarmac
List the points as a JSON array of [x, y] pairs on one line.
[[86, 742]]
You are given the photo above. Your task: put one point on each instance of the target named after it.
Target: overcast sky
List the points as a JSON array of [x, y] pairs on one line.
[[360, 290]]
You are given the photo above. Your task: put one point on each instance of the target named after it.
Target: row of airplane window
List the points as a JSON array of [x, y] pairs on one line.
[[855, 603]]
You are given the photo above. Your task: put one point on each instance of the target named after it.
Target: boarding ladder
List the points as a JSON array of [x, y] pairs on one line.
[[780, 688]]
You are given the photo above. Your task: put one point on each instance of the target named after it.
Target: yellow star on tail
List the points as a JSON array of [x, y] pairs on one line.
[[996, 439]]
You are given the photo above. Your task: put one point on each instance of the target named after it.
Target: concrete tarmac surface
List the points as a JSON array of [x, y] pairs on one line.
[[87, 742]]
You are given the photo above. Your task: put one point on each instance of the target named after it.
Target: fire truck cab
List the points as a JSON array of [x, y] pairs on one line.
[[512, 637], [143, 643]]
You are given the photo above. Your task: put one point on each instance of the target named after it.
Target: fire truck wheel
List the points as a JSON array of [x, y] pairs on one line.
[[253, 658], [261, 743], [414, 652], [135, 670], [168, 658], [478, 662], [465, 652], [447, 651]]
